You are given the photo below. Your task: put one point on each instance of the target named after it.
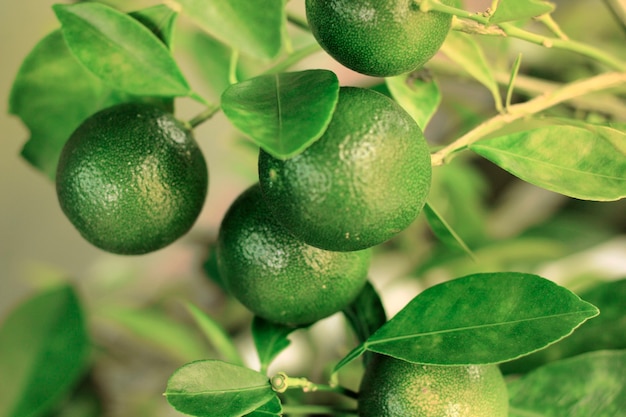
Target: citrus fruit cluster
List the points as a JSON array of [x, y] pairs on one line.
[[295, 247], [396, 388], [378, 38], [131, 179]]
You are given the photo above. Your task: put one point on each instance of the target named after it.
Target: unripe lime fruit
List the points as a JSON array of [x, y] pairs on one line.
[[131, 179], [396, 388], [378, 37], [365, 180], [277, 276]]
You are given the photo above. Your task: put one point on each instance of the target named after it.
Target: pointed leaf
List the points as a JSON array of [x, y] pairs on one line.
[[44, 350], [607, 331], [120, 50], [253, 27], [211, 388], [366, 313], [481, 319], [215, 334], [270, 339], [467, 54], [283, 113], [271, 408], [588, 385], [419, 97], [444, 232], [509, 10], [160, 19], [582, 161]]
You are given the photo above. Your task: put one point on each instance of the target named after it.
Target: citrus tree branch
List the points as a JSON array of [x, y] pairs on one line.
[[533, 106]]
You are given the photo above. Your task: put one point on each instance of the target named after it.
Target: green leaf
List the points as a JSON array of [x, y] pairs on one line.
[[160, 19], [588, 385], [211, 388], [581, 161], [418, 96], [269, 339], [509, 10], [120, 50], [366, 313], [444, 232], [271, 408], [607, 331], [44, 350], [481, 319], [283, 113], [215, 334], [467, 54], [53, 94], [253, 27]]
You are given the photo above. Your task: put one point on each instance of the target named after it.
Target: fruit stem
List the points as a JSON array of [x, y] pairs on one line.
[[533, 106], [281, 382], [204, 116], [298, 21]]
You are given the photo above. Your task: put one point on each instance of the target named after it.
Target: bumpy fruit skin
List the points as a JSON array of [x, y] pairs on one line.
[[131, 179], [378, 37], [277, 276], [365, 180], [395, 388]]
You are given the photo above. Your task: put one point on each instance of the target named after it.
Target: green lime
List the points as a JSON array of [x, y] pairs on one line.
[[131, 179], [378, 37], [364, 181], [396, 388], [277, 276]]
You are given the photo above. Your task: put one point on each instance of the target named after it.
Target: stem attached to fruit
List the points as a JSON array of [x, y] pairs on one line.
[[204, 116], [533, 106], [281, 382]]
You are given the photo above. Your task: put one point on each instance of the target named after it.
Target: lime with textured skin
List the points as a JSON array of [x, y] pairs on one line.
[[131, 179], [364, 181], [396, 388], [277, 276], [378, 37]]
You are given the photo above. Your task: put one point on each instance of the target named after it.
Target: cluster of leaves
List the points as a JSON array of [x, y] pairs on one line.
[[101, 56]]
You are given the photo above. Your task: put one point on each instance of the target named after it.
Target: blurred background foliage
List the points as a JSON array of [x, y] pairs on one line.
[[134, 307]]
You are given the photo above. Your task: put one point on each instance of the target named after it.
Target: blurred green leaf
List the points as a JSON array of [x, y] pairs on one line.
[[215, 334], [269, 339], [509, 10], [120, 50], [160, 19], [271, 408], [607, 331], [366, 313], [210, 388], [254, 28], [419, 97], [283, 113], [467, 54], [481, 319], [591, 384], [444, 232], [580, 161], [53, 94], [44, 350]]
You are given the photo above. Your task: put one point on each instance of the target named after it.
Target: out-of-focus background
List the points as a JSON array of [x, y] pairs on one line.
[[38, 245]]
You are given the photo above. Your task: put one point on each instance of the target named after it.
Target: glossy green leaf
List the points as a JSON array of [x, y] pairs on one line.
[[366, 313], [467, 54], [481, 319], [211, 388], [418, 96], [283, 113], [269, 339], [588, 385], [607, 331], [215, 334], [271, 408], [580, 161], [444, 232], [509, 10], [253, 27], [120, 50], [52, 94], [157, 329], [44, 350], [160, 20]]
